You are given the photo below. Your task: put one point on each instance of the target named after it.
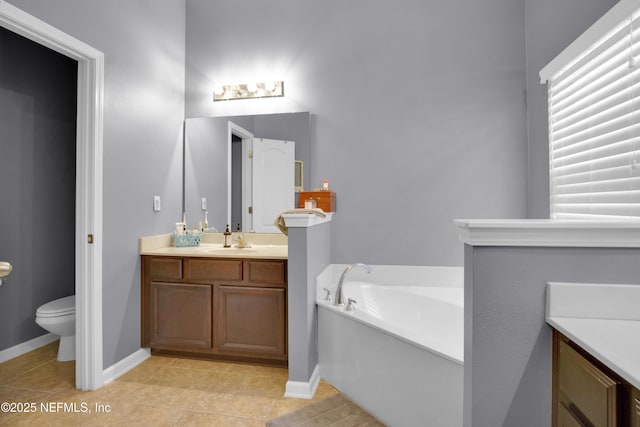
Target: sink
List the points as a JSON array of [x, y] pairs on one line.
[[5, 269], [259, 251], [231, 251]]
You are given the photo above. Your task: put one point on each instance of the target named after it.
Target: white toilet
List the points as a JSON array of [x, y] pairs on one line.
[[59, 317]]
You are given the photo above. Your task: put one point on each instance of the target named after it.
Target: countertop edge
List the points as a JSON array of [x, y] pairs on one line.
[[216, 251]]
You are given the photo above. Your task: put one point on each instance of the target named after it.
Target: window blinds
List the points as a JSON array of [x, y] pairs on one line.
[[594, 129]]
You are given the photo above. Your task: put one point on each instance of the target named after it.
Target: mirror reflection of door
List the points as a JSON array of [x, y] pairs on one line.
[[273, 181]]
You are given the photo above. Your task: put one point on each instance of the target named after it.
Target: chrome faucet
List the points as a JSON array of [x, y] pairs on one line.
[[338, 297]]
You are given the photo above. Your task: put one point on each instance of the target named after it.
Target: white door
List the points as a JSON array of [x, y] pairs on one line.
[[273, 181]]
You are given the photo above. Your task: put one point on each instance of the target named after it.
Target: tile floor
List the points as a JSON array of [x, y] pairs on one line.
[[162, 391]]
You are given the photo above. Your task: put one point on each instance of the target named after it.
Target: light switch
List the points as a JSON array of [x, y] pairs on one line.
[[204, 204], [156, 203]]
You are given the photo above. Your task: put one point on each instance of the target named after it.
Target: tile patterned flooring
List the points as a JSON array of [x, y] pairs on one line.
[[162, 391]]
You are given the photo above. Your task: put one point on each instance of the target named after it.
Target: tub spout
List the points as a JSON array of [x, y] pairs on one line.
[[338, 298]]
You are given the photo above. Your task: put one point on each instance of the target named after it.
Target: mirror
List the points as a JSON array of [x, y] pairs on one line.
[[213, 166]]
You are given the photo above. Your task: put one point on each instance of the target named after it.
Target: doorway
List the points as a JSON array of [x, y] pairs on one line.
[[37, 188], [88, 212]]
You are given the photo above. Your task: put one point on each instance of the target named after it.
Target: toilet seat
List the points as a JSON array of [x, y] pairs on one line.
[[57, 308]]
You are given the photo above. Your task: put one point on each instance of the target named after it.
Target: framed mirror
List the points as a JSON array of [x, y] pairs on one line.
[[219, 169]]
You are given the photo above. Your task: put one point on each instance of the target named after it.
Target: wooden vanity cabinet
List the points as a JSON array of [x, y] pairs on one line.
[[587, 393], [232, 309]]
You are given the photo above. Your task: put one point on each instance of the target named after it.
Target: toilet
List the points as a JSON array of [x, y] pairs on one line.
[[59, 317]]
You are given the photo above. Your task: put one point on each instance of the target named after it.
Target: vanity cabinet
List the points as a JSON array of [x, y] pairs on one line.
[[587, 393], [232, 309]]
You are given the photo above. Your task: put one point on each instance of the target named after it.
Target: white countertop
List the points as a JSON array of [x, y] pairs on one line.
[[262, 246], [603, 319]]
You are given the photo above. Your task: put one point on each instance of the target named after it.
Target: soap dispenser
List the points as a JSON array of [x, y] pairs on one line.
[[227, 237], [206, 221]]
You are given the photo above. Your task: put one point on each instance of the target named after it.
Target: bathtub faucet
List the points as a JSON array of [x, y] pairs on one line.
[[338, 300]]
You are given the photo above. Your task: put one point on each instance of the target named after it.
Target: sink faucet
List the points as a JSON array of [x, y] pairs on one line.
[[338, 300], [240, 240], [5, 270]]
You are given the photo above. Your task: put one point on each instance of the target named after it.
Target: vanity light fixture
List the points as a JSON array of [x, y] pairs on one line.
[[248, 91]]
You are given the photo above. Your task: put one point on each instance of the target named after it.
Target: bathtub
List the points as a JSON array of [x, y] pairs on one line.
[[399, 355]]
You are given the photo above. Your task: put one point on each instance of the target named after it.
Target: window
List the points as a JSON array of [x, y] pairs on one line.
[[594, 120]]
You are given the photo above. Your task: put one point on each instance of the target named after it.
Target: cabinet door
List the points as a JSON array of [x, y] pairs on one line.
[[584, 388], [180, 316], [251, 321], [565, 419]]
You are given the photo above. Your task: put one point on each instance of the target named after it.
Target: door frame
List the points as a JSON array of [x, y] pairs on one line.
[[247, 188], [89, 163]]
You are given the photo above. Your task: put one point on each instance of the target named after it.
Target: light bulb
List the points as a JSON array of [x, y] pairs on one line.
[[269, 86], [218, 90], [252, 87]]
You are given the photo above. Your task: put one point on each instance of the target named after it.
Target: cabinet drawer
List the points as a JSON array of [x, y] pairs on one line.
[[589, 392], [267, 272], [164, 268], [208, 270]]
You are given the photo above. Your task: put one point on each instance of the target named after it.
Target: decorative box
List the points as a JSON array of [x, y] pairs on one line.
[[184, 240], [325, 200]]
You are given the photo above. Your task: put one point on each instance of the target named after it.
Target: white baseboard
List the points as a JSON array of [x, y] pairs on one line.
[[125, 365], [301, 389], [27, 346]]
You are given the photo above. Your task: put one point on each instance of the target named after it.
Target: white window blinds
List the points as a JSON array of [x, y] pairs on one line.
[[594, 128]]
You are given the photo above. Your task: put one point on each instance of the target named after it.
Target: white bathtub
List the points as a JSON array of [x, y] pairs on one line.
[[399, 355]]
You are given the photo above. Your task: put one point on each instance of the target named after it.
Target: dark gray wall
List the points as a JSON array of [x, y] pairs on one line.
[[37, 182], [236, 184], [418, 112], [143, 42], [507, 342], [551, 25]]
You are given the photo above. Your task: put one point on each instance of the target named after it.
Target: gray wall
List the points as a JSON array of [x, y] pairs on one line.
[[143, 42], [206, 159], [551, 25], [417, 107], [507, 342], [37, 182], [309, 253]]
